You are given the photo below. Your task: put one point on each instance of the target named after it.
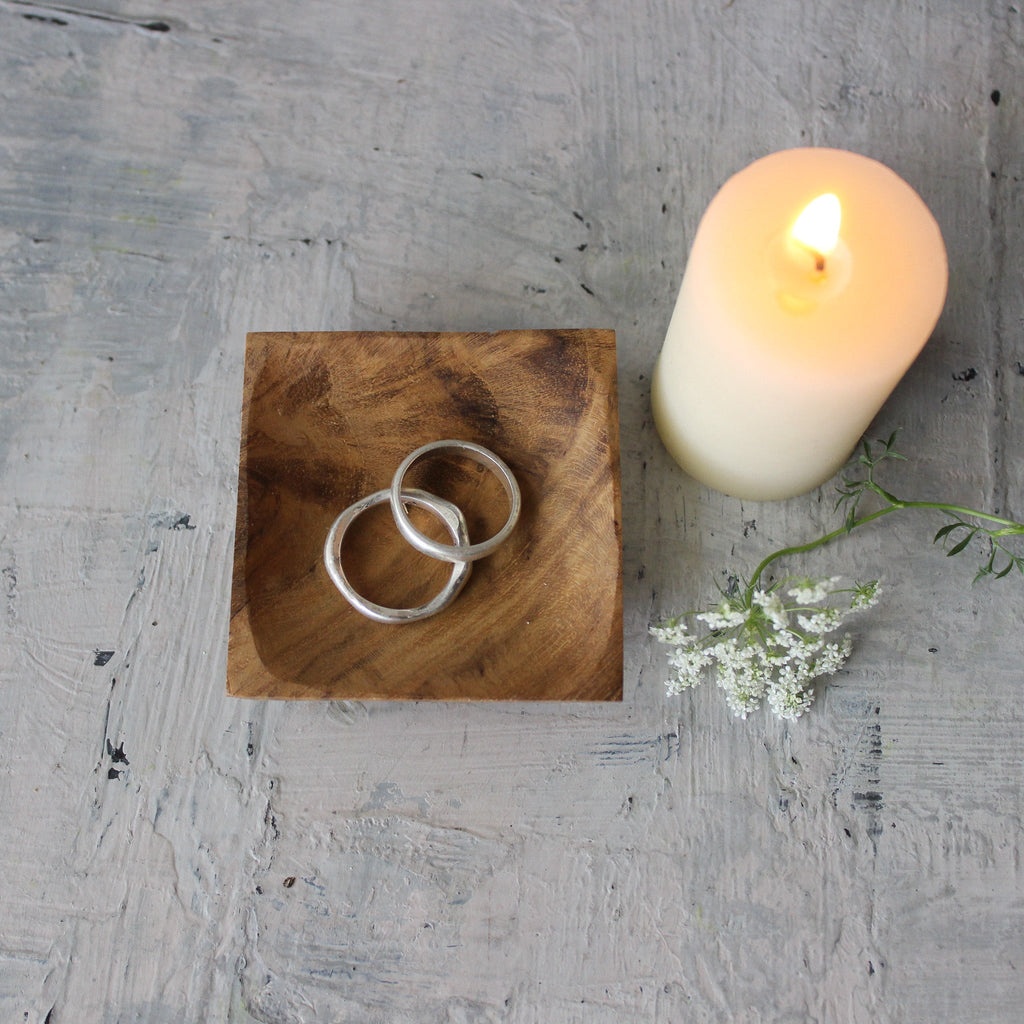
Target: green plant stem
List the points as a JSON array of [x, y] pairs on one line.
[[895, 505], [942, 506]]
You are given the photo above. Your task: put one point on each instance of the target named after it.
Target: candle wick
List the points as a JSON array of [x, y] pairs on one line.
[[819, 262]]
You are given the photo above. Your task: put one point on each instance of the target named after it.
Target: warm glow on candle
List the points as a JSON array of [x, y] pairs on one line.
[[818, 226], [811, 319]]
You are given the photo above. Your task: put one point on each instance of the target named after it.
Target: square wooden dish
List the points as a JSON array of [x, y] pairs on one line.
[[326, 420]]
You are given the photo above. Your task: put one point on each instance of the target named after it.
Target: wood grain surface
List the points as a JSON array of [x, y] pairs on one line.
[[174, 175], [326, 420]]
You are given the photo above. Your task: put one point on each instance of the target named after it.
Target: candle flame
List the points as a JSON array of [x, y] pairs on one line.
[[818, 226]]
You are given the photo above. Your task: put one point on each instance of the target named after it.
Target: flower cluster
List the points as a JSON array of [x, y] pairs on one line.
[[762, 646]]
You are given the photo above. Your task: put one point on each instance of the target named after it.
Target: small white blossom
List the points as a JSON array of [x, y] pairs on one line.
[[773, 607], [865, 596], [789, 702], [797, 647], [670, 634], [689, 662], [761, 649], [833, 656], [811, 592], [820, 622], [725, 616], [678, 683]]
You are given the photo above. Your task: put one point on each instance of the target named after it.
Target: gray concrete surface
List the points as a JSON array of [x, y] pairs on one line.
[[175, 174]]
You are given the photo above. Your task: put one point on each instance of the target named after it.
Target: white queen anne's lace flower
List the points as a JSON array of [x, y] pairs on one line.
[[761, 648], [725, 616]]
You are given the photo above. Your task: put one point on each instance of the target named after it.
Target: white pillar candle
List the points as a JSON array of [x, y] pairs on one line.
[[787, 337]]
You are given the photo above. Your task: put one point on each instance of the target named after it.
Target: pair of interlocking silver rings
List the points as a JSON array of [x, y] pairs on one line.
[[461, 553]]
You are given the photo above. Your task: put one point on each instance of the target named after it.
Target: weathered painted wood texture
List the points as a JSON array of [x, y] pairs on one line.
[[173, 175]]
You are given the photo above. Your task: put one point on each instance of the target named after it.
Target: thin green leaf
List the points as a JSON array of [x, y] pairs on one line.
[[960, 545], [944, 531]]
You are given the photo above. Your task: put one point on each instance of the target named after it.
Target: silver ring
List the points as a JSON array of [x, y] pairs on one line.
[[463, 551], [448, 513]]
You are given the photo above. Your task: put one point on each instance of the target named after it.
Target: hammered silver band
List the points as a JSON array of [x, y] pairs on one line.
[[462, 551], [452, 517]]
